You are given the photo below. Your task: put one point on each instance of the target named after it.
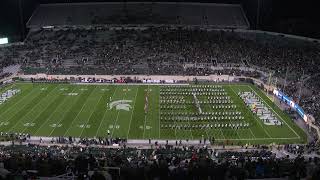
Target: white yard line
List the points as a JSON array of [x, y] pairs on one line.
[[252, 133], [65, 115], [144, 126], [79, 112], [51, 114], [222, 133], [145, 120], [115, 122], [26, 115], [105, 112], [275, 112], [229, 119], [90, 116], [38, 114], [135, 100]]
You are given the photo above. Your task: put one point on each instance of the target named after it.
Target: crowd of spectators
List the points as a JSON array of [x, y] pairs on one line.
[[155, 51], [166, 162]]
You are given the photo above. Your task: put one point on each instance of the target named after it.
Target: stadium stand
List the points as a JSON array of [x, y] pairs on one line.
[[162, 162]]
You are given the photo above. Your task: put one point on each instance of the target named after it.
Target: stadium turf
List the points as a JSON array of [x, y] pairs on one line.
[[133, 112]]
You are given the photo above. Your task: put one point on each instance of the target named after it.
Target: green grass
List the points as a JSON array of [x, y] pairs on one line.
[[49, 110]]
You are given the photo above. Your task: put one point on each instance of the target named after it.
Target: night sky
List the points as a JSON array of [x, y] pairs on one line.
[[275, 15]]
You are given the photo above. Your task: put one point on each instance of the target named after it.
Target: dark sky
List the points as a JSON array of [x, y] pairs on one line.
[[294, 17]]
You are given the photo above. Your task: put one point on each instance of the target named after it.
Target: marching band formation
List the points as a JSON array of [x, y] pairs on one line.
[[179, 108], [258, 107]]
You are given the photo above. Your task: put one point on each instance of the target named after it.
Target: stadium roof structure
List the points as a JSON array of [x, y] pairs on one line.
[[140, 13]]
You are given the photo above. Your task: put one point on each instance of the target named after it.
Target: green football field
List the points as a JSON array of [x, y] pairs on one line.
[[143, 112]]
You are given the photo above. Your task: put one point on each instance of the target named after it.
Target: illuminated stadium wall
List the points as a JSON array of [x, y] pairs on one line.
[[291, 103]]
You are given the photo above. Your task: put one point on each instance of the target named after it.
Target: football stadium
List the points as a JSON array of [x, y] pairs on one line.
[[159, 90], [238, 113]]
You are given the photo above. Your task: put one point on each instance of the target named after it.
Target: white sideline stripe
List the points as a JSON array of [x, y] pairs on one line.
[[105, 112], [115, 121], [257, 139], [275, 112], [135, 100], [26, 115], [51, 114], [90, 114], [79, 112]]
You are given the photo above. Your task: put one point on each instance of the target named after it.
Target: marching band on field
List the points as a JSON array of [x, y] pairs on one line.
[[174, 105]]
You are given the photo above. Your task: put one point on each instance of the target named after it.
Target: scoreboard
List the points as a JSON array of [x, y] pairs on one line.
[[4, 41]]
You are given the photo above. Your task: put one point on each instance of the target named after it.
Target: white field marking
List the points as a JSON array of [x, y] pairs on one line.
[[259, 122], [115, 122], [16, 104], [52, 114], [104, 114], [38, 114], [144, 126], [207, 135], [28, 124], [135, 100], [190, 128], [275, 112], [86, 123], [79, 112], [6, 123], [257, 139], [229, 119], [222, 133], [175, 130], [72, 94], [66, 114], [130, 84], [252, 133], [145, 118], [26, 115]]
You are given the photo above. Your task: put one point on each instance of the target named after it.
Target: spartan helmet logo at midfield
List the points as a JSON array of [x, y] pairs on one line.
[[121, 105]]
